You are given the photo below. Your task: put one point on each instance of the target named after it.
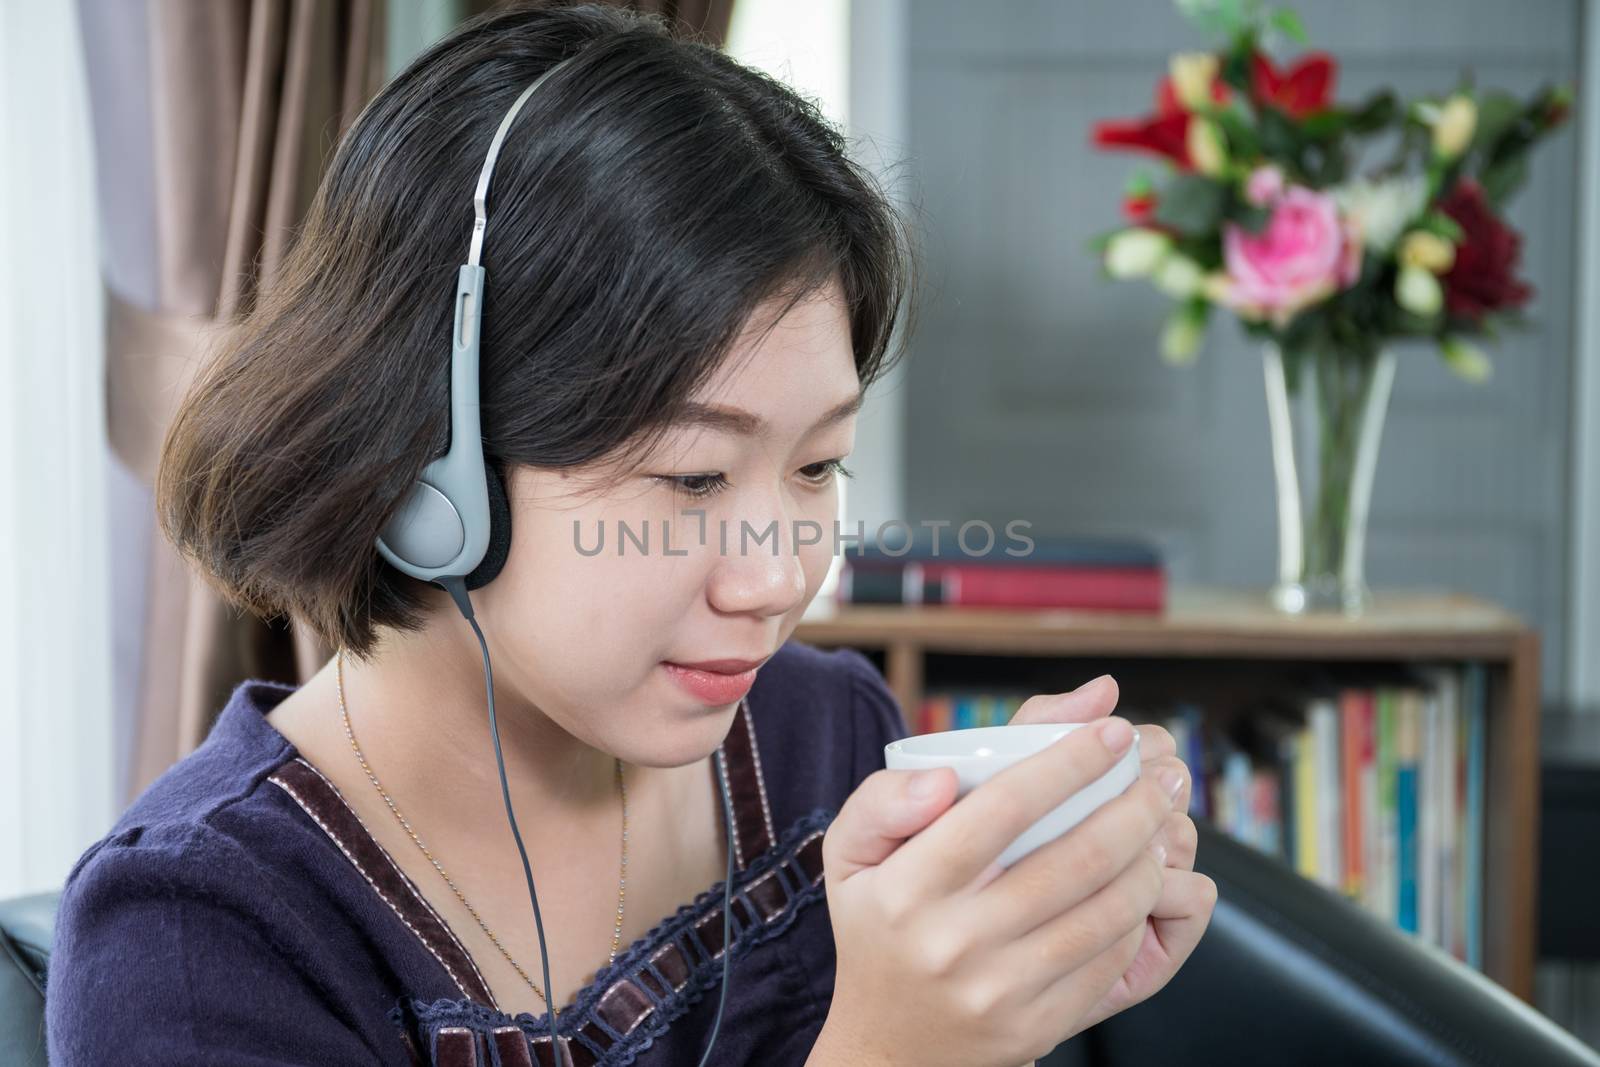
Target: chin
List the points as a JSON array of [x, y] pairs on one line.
[[677, 739]]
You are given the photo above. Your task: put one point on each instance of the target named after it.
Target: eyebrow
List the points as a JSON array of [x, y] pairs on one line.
[[748, 424]]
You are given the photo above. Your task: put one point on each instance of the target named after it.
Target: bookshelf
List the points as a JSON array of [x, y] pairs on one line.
[[1228, 646]]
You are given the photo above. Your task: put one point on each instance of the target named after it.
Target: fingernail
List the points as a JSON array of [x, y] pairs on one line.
[[1091, 683], [1172, 782], [1116, 734], [1159, 851], [923, 785]]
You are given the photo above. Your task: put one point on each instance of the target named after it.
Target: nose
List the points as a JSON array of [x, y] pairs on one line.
[[758, 572]]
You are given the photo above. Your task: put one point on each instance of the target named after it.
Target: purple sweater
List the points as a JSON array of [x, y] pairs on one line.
[[239, 914]]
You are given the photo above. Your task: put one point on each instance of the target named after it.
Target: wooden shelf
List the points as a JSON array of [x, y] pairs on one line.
[[1238, 624]]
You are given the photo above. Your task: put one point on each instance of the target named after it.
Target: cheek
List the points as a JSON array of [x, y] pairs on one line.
[[815, 559]]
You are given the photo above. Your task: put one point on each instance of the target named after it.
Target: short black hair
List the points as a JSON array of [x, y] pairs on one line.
[[649, 197]]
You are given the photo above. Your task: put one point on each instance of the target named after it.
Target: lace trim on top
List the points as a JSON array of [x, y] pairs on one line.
[[635, 998]]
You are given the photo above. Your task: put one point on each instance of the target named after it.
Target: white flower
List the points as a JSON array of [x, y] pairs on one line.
[[1206, 150], [1181, 337], [1428, 251], [1418, 291], [1178, 276], [1466, 360], [1192, 75], [1381, 210], [1452, 131], [1136, 251]]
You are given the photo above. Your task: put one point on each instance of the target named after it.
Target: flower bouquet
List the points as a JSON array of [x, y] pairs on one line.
[[1261, 210]]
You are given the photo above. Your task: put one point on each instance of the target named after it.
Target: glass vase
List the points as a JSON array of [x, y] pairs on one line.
[[1326, 409]]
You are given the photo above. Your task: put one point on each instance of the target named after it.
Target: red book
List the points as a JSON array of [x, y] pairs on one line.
[[1355, 712], [1132, 589]]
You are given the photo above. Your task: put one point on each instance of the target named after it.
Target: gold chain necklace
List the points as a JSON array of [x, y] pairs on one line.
[[622, 878]]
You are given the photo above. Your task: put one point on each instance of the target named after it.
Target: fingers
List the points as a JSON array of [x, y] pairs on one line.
[[1092, 700], [1166, 770], [886, 808], [1075, 937], [1177, 922], [1156, 742], [1074, 994], [952, 852], [1078, 865], [1181, 914], [1181, 839]]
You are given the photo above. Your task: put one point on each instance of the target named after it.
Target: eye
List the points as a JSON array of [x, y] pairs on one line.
[[824, 472], [696, 486], [700, 486]]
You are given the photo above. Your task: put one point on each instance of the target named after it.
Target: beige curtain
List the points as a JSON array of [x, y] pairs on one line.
[[213, 120]]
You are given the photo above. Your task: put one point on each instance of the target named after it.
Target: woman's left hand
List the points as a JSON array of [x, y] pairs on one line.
[[1184, 909]]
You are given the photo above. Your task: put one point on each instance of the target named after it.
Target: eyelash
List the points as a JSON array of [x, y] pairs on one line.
[[716, 483]]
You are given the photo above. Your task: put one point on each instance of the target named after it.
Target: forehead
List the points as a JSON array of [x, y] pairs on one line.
[[791, 371]]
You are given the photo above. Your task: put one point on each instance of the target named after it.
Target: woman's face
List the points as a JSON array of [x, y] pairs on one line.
[[586, 636]]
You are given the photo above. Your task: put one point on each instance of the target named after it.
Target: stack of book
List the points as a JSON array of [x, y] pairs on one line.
[[1376, 792], [1078, 573]]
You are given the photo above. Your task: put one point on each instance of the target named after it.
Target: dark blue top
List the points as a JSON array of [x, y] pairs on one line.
[[238, 913]]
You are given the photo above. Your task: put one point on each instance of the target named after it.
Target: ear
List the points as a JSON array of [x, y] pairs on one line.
[[494, 558]]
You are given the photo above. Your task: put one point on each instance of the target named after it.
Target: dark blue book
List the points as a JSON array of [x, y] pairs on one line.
[[1021, 548]]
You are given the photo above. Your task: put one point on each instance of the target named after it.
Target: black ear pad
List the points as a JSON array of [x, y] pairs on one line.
[[494, 557]]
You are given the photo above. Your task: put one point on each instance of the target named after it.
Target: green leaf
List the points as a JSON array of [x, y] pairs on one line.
[[1280, 139], [1322, 164], [1241, 135], [1250, 216], [1504, 178], [1497, 112], [1441, 225], [1192, 204], [1377, 111], [1326, 124], [1286, 22], [1236, 64]]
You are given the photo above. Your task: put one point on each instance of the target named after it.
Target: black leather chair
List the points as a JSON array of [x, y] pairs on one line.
[[1291, 973], [25, 925], [1287, 974]]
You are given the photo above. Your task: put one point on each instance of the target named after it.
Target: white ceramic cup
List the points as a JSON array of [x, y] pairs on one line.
[[979, 753]]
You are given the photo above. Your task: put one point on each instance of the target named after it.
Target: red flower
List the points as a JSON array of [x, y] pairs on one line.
[[1164, 133], [1140, 208], [1302, 89], [1480, 280]]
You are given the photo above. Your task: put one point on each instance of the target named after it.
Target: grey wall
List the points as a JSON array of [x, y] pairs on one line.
[[1035, 389]]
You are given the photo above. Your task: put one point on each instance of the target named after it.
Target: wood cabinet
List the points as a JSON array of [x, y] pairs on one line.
[[1230, 643]]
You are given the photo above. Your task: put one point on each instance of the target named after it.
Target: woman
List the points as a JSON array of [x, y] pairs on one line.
[[691, 287]]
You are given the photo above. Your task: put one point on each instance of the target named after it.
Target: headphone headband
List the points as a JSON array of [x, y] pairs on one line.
[[442, 528]]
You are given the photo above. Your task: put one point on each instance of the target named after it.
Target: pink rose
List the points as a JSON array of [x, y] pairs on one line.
[[1304, 254]]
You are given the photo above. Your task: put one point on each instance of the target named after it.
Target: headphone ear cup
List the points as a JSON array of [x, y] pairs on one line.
[[494, 557]]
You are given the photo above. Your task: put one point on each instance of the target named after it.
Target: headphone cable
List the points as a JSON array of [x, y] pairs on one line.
[[458, 592]]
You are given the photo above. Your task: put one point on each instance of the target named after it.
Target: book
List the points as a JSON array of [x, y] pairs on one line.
[[928, 544], [1475, 684], [1352, 727], [1407, 767], [1387, 895], [1130, 589]]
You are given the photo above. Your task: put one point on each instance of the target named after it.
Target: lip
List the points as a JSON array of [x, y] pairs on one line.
[[721, 666], [714, 688]]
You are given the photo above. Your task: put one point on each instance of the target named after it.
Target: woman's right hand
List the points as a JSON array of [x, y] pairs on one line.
[[946, 958]]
